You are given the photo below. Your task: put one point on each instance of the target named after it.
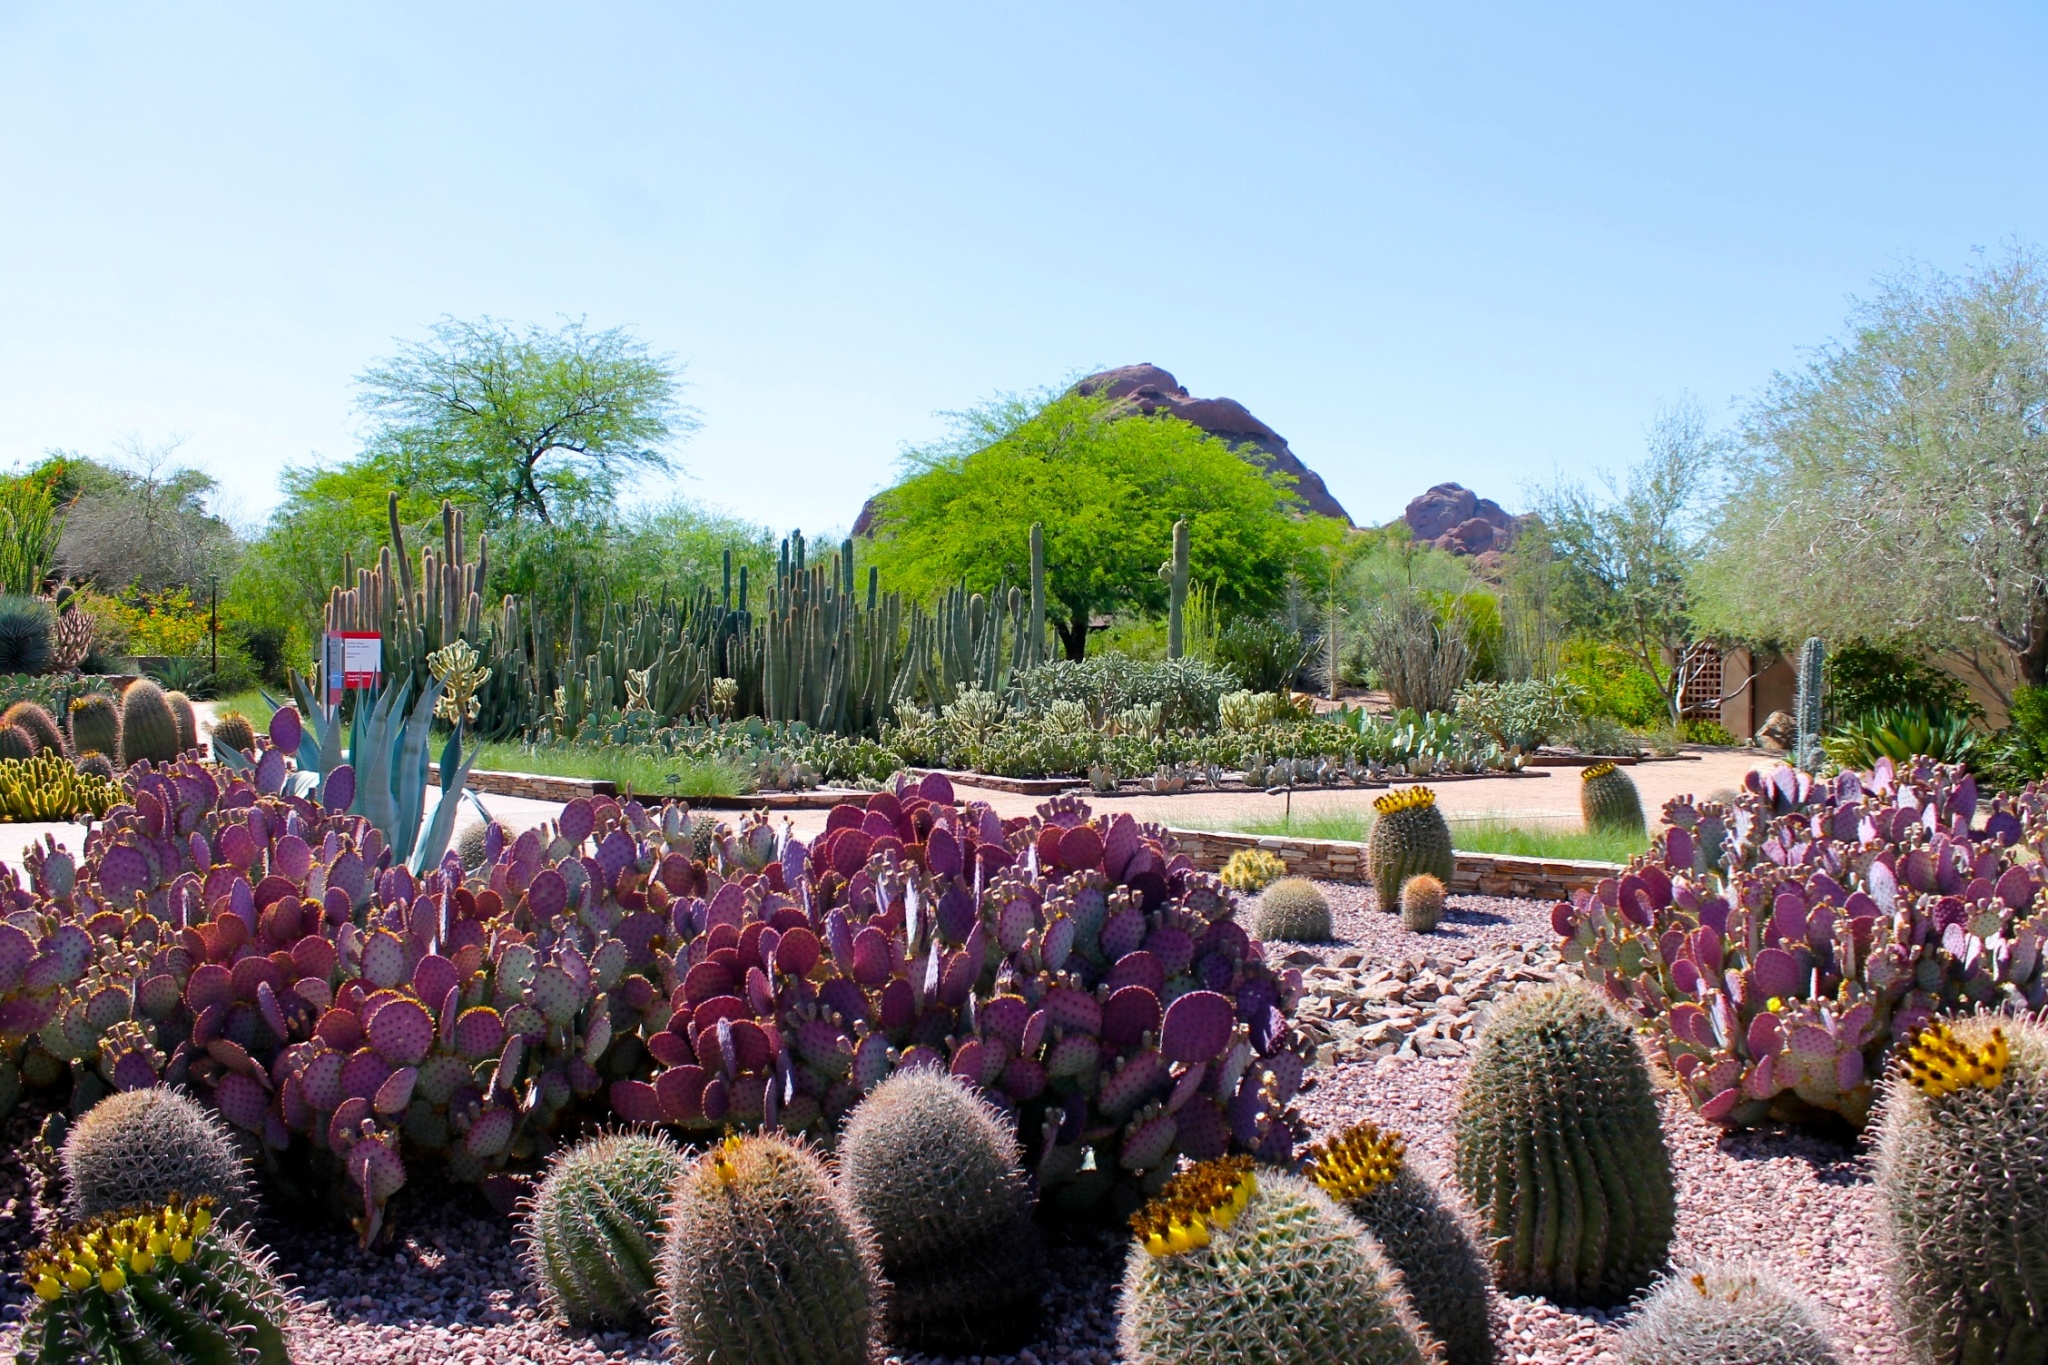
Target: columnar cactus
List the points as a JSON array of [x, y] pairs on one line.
[[1422, 904], [1231, 1265], [765, 1261], [1806, 705], [1608, 798], [142, 1147], [933, 1170], [165, 1283], [1726, 1315], [1431, 1240], [149, 727], [1410, 836], [95, 725], [1292, 910], [593, 1227], [1963, 1175], [1560, 1149]]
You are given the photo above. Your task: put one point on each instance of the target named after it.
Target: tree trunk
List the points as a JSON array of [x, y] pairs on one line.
[[1073, 634], [2033, 660]]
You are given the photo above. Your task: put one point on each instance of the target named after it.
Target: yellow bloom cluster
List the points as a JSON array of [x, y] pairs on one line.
[[1357, 1161], [1596, 770], [106, 1250], [1406, 798], [1937, 1062], [1211, 1194], [722, 1164]]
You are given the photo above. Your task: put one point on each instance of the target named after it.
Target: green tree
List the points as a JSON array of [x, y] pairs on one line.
[[531, 424], [1108, 490], [1620, 564], [1896, 486]]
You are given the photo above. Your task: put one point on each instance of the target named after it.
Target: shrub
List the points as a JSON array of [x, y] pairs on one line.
[[1519, 715], [25, 626], [1236, 1267], [1292, 910], [1560, 1149], [1420, 657], [933, 1170], [141, 1147], [1186, 690], [1862, 678], [1963, 1176], [208, 1295], [188, 677], [762, 1252], [1410, 836], [1902, 735], [593, 1227], [1264, 656], [1422, 904], [1432, 1241], [1726, 1315], [1609, 682], [1252, 870]]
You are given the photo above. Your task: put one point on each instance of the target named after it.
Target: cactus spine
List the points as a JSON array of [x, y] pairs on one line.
[[935, 1172], [1726, 1315], [1433, 1243], [139, 1148], [159, 1284], [1422, 904], [1806, 704], [593, 1227], [1608, 798], [1238, 1268], [149, 728], [1410, 836], [95, 725], [1560, 1150], [1962, 1172], [1175, 572], [765, 1262], [1292, 910]]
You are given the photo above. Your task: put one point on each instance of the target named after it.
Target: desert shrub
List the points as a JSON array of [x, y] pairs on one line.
[[1418, 655], [1264, 655], [1519, 715], [1186, 690]]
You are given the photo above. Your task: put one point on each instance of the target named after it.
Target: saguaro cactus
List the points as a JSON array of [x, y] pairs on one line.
[[1175, 572]]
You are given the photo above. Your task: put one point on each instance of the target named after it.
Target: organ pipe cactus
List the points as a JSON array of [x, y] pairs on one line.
[[1778, 949], [1806, 705]]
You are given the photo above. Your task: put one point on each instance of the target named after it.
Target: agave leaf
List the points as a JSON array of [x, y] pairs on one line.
[[409, 771], [373, 751], [316, 733], [454, 778], [235, 760]]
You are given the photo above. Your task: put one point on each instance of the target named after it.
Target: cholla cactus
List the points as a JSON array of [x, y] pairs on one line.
[[461, 675]]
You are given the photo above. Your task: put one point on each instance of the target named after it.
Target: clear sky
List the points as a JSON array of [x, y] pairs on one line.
[[1423, 242]]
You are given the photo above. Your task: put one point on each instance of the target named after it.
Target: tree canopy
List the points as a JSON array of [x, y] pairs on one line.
[[522, 424], [1896, 486], [1108, 490]]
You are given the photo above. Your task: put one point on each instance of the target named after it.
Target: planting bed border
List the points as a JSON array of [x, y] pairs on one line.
[[550, 787], [1339, 860], [1059, 786]]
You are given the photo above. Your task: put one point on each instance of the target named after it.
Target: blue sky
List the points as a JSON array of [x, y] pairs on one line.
[[1477, 242]]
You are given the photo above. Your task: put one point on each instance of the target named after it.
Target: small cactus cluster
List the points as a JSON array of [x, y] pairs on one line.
[[1422, 904], [1252, 870], [143, 1147], [1561, 1151], [1409, 837], [1608, 798], [1726, 1315], [50, 787], [593, 1227], [167, 1283], [1292, 910], [1230, 1265], [1778, 951]]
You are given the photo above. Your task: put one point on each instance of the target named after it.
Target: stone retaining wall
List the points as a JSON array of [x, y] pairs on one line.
[[1336, 860]]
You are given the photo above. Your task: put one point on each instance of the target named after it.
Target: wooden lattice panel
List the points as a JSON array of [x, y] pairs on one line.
[[1702, 696]]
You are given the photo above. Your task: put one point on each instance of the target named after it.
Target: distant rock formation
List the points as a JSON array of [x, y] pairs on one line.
[[1452, 517], [1148, 389]]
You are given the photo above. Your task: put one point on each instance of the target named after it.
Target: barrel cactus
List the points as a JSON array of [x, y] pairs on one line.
[[186, 719], [138, 1148], [232, 730], [1292, 910], [1963, 1175], [97, 765], [934, 1171], [764, 1261], [1410, 836], [1422, 903], [149, 728], [16, 742], [1560, 1150], [159, 1284], [593, 1227], [40, 724], [1251, 870], [1608, 798], [95, 725], [1430, 1240], [1239, 1267], [1726, 1315]]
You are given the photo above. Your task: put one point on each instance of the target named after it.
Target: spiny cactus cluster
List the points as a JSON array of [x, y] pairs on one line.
[[1231, 1265], [49, 787], [933, 1171], [165, 1283], [142, 1147], [1561, 1151], [1778, 949], [1251, 870], [765, 1260], [1608, 798], [593, 1227], [1422, 904], [1409, 837], [1726, 1315], [1963, 1176], [1292, 910]]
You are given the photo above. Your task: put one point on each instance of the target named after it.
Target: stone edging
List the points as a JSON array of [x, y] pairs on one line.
[[549, 787], [1336, 860]]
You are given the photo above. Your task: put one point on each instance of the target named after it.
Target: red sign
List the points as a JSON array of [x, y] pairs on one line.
[[355, 661]]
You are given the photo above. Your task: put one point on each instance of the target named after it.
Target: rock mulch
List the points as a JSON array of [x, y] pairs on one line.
[[1393, 1015]]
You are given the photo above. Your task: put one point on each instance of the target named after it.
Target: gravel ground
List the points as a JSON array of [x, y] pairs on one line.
[[1393, 1014]]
